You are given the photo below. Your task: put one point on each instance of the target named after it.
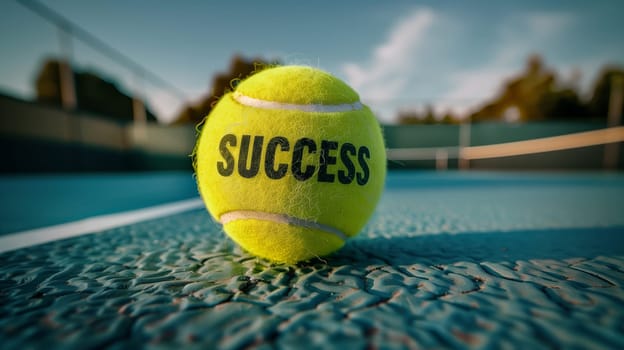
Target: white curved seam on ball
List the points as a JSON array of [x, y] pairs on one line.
[[264, 104], [280, 218]]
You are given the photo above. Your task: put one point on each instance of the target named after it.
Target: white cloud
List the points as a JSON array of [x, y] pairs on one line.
[[424, 59], [387, 72], [469, 88], [549, 24]]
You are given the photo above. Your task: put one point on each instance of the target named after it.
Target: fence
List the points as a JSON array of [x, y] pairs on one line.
[[36, 137], [49, 35]]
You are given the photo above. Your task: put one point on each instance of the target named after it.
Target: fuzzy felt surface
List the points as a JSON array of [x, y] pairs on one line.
[[299, 85], [281, 242], [320, 198]]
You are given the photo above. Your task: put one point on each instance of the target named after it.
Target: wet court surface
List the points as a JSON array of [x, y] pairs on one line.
[[461, 260]]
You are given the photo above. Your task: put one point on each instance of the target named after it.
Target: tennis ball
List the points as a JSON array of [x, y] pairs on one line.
[[291, 163]]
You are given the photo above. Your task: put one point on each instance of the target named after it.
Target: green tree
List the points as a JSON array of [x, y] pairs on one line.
[[239, 69], [561, 104], [428, 116], [536, 94], [94, 94], [601, 95]]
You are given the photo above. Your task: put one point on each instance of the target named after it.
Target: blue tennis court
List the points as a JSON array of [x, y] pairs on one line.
[[40, 200], [469, 155], [450, 259]]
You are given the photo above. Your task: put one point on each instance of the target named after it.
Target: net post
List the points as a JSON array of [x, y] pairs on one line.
[[464, 141], [139, 114], [66, 74], [441, 157], [612, 150]]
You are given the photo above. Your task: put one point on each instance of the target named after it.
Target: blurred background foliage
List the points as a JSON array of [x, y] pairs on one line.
[[536, 94], [240, 68], [94, 93]]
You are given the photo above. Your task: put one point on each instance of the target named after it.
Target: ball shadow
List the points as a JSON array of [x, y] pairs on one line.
[[495, 246]]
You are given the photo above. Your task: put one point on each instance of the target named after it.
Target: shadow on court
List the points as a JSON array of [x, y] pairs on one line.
[[496, 246]]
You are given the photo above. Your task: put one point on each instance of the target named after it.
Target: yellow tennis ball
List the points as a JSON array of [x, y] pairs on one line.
[[291, 163]]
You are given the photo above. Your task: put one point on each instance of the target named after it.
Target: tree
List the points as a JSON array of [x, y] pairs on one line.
[[428, 116], [94, 94], [561, 104], [601, 95], [536, 94], [239, 69]]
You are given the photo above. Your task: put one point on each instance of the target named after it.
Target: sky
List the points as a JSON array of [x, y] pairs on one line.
[[398, 55]]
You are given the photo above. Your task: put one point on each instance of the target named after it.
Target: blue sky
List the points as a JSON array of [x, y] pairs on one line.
[[396, 54]]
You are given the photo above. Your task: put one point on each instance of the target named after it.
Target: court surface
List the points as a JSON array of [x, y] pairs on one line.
[[449, 260]]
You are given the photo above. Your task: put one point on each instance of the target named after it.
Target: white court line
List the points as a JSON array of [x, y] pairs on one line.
[[93, 224]]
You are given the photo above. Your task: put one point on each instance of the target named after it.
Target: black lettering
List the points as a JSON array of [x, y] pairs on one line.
[[255, 156], [326, 160], [346, 151], [297, 159], [269, 159], [362, 178], [227, 168]]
